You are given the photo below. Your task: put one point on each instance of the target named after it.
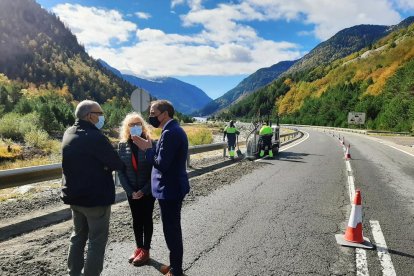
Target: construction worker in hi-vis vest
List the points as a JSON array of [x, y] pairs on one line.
[[231, 131], [266, 134]]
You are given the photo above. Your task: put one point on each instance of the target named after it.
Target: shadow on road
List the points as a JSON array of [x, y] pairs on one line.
[[200, 171], [292, 156], [400, 253]]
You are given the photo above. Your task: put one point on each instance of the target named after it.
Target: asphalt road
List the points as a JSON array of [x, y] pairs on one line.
[[282, 219], [385, 176]]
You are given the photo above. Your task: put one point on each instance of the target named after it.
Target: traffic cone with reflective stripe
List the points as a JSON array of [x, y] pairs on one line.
[[348, 153], [353, 234]]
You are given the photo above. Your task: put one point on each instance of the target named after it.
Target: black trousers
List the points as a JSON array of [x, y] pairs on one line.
[[231, 141], [141, 210], [171, 223]]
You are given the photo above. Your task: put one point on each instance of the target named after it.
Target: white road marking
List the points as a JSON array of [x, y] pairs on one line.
[[351, 188], [361, 262], [383, 254], [295, 144], [360, 254], [348, 166], [398, 149]]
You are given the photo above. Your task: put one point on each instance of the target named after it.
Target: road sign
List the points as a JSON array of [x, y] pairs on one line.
[[140, 100], [356, 118]]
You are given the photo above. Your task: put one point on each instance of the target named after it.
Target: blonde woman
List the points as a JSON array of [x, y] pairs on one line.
[[136, 181]]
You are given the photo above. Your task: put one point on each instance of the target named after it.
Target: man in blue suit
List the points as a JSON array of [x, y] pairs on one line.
[[169, 176]]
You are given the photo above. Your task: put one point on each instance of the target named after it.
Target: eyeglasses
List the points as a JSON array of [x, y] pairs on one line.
[[134, 124], [97, 112]]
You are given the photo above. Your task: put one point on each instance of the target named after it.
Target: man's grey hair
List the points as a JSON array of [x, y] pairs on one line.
[[84, 108]]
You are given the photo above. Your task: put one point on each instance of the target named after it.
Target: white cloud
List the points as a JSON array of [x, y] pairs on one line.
[[193, 4], [407, 5], [94, 26], [155, 57], [226, 44], [143, 15], [327, 16]]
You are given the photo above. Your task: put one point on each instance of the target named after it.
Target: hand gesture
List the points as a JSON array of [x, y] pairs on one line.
[[142, 143], [137, 195]]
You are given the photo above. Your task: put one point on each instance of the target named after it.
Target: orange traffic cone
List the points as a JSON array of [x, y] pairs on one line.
[[353, 234], [348, 154]]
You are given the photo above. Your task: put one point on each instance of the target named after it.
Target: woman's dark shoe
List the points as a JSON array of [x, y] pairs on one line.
[[142, 258], [134, 255]]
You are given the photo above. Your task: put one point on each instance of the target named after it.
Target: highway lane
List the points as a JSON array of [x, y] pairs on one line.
[[282, 219], [278, 220], [386, 178]]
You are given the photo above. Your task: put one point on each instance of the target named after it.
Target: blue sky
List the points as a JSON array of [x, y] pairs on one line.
[[209, 43]]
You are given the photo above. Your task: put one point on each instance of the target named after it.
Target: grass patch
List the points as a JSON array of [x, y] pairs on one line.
[[38, 161], [198, 134]]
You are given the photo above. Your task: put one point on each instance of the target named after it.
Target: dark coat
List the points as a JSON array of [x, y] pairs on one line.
[[169, 157], [130, 180], [88, 160]]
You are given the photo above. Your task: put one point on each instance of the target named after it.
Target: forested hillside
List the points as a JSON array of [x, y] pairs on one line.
[[35, 47], [377, 79]]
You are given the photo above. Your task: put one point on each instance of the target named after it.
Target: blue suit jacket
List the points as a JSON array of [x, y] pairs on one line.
[[169, 157]]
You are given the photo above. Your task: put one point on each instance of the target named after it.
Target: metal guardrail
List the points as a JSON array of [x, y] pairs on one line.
[[361, 131], [23, 176]]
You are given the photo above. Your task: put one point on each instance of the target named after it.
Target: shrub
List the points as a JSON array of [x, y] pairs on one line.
[[29, 122], [14, 126], [9, 126], [37, 138]]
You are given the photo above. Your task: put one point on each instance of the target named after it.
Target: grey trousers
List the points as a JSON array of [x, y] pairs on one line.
[[89, 224]]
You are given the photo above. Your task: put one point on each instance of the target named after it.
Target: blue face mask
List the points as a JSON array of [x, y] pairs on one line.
[[135, 130], [101, 122]]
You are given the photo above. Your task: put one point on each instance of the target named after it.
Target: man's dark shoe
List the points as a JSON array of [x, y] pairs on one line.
[[164, 269]]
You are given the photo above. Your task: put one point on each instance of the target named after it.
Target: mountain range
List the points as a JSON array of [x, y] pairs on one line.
[[185, 97], [364, 68], [36, 47], [343, 43]]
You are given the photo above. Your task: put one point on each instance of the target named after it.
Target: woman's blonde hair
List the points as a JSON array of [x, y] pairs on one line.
[[124, 133]]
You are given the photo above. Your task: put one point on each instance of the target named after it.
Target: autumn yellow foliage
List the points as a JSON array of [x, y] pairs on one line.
[[378, 65]]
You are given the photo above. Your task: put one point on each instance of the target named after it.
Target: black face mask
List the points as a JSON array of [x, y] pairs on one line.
[[153, 120]]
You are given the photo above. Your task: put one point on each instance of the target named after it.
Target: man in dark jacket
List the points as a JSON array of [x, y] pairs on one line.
[[169, 176], [88, 160]]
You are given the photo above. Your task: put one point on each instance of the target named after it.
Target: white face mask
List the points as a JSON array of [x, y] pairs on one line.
[[135, 130], [101, 122]]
